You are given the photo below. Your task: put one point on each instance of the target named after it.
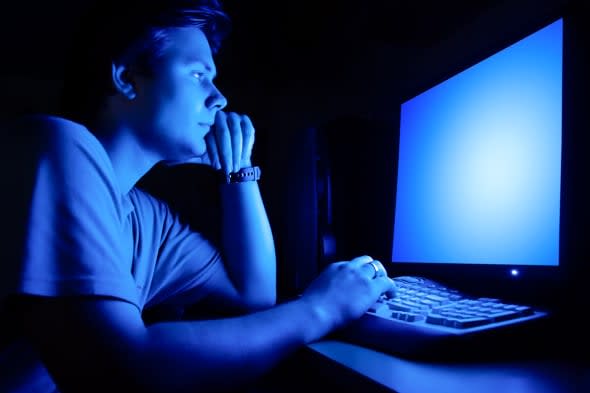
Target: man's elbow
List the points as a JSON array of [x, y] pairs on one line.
[[261, 293], [259, 302]]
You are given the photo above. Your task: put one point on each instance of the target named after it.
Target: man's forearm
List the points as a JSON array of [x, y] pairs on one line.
[[224, 353], [248, 244], [95, 344]]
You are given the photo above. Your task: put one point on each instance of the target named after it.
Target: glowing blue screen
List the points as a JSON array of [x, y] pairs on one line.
[[479, 166]]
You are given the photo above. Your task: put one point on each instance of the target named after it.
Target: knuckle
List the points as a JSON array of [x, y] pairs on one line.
[[221, 115], [234, 125], [233, 118], [351, 269], [249, 132], [338, 266]]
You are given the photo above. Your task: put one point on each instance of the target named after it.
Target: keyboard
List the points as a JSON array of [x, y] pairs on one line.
[[426, 315]]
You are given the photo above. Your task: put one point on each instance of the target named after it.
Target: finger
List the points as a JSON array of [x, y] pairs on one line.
[[360, 260], [234, 124], [337, 265], [213, 155], [203, 159], [369, 270], [223, 141], [374, 269], [386, 286], [248, 136]]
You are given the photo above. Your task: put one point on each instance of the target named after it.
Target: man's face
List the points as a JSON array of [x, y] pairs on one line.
[[176, 106]]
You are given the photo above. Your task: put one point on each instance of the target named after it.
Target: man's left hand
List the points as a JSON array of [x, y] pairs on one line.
[[230, 142]]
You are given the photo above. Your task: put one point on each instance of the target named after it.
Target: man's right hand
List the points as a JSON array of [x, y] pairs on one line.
[[345, 290]]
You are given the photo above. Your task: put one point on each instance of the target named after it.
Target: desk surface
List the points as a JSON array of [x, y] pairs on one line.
[[389, 373]]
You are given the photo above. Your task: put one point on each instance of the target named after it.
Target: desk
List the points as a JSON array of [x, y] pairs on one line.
[[355, 368]]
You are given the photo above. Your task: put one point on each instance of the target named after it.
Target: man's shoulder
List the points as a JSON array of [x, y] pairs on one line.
[[32, 123], [54, 146], [49, 134], [40, 131]]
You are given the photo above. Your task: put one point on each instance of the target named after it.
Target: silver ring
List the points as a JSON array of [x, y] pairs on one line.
[[375, 267]]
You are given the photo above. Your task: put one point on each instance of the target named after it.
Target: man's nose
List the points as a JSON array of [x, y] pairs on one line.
[[217, 100]]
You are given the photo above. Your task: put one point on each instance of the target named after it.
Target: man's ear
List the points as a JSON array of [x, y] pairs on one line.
[[123, 80]]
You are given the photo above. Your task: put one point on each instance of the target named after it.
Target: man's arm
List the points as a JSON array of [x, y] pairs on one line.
[[102, 344], [98, 344], [247, 241], [248, 246]]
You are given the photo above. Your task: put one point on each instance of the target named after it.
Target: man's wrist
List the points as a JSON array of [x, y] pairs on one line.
[[243, 175], [318, 321]]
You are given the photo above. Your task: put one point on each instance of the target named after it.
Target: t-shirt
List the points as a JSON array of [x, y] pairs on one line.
[[72, 232], [67, 229]]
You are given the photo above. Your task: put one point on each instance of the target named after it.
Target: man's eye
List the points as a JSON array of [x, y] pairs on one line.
[[198, 75]]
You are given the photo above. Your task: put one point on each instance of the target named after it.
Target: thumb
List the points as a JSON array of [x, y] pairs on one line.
[[203, 159]]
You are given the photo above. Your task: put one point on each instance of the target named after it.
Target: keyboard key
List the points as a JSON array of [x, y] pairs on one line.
[[525, 310], [470, 322], [380, 309], [406, 316], [435, 319], [503, 316], [437, 298], [400, 307]]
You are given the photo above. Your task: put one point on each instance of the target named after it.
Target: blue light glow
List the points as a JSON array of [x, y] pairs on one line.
[[480, 161]]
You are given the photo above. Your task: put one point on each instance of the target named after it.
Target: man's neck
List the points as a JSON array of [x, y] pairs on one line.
[[129, 159]]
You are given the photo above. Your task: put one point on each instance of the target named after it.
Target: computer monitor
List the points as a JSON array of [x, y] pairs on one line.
[[478, 195], [473, 171]]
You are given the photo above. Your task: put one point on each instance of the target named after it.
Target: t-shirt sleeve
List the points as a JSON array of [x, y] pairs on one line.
[[72, 240], [184, 259]]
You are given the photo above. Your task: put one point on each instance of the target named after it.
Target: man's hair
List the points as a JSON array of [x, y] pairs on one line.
[[133, 32]]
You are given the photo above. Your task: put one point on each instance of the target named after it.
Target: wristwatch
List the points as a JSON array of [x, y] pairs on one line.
[[243, 175]]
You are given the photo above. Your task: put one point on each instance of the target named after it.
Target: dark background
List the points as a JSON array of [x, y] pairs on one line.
[[302, 68]]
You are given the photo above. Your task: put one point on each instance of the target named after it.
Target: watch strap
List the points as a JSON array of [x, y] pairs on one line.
[[243, 175]]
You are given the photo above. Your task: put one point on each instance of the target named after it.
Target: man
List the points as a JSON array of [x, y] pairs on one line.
[[88, 252]]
